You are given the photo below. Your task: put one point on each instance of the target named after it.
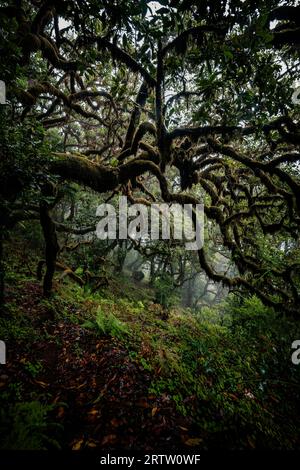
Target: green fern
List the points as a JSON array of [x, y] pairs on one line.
[[108, 325], [25, 426]]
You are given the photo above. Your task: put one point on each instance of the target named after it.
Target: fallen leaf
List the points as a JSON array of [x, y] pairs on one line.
[[91, 444], [192, 442], [183, 429], [57, 398], [154, 411], [143, 403], [234, 397], [77, 445], [60, 412], [42, 384], [109, 439], [80, 386], [115, 422], [251, 442]]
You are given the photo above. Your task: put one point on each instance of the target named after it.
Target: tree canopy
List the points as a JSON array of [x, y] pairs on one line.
[[173, 101]]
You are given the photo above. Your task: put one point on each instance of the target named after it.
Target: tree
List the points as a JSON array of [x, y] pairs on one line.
[[197, 93]]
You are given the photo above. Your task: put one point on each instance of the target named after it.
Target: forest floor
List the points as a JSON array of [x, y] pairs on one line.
[[95, 392], [100, 394], [105, 371]]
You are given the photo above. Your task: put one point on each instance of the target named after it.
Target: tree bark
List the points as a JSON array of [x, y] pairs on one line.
[[52, 246]]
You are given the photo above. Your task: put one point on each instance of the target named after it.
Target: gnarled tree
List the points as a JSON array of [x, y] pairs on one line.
[[196, 93]]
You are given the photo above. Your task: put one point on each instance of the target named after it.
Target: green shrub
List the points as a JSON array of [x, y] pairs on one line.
[[233, 375], [107, 324], [25, 426], [164, 290]]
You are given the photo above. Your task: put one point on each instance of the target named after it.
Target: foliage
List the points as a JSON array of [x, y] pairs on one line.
[[107, 324], [226, 367], [23, 155], [164, 290], [25, 426], [163, 102], [232, 377], [16, 328], [225, 132], [33, 368]]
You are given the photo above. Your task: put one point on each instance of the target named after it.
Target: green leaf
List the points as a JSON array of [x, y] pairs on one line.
[[227, 53]]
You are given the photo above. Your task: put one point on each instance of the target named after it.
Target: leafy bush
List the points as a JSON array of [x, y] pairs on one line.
[[164, 290], [25, 426], [235, 376], [108, 325], [16, 329], [33, 368]]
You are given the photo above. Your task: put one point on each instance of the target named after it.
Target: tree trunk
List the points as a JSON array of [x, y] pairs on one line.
[[52, 247]]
